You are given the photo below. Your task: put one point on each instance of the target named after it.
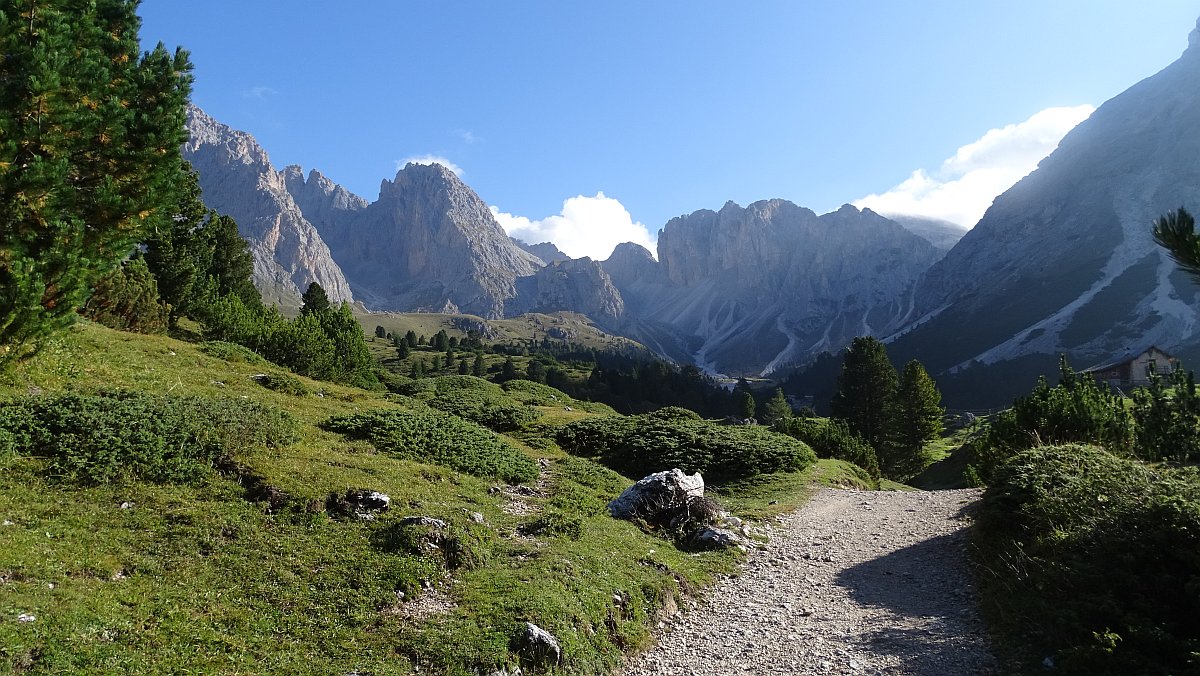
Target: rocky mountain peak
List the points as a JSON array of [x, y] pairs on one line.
[[238, 180]]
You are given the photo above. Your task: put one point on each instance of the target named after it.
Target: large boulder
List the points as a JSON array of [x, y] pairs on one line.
[[655, 494]]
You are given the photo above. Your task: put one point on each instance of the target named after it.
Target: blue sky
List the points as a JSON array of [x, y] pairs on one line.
[[583, 121]]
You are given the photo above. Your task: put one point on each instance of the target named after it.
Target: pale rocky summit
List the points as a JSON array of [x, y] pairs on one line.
[[1064, 261], [575, 285], [546, 251], [238, 180], [428, 244], [754, 289]]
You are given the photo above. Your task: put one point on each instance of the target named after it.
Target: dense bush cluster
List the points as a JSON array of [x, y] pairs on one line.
[[93, 439], [675, 437], [473, 399], [1076, 410], [832, 438], [1095, 559], [438, 438]]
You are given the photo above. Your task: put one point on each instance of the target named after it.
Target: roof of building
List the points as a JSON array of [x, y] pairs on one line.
[[1125, 359]]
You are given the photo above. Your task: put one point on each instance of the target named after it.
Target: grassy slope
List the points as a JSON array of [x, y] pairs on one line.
[[200, 578], [515, 330]]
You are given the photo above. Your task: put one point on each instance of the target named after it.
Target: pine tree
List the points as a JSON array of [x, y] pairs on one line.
[[916, 420], [463, 367], [866, 391], [776, 408], [315, 300], [380, 332], [508, 371], [1175, 231], [535, 371], [127, 299], [441, 341], [410, 337], [89, 135], [479, 368], [744, 405], [402, 349]]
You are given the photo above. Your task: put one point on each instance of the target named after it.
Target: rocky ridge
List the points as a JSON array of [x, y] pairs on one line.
[[751, 290], [238, 180]]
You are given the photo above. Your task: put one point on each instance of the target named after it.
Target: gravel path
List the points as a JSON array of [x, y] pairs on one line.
[[854, 582]]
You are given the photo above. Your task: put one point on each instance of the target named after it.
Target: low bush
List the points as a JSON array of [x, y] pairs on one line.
[[1094, 559], [642, 444], [832, 438], [474, 399], [92, 439], [1076, 410], [283, 382], [232, 352], [438, 438]]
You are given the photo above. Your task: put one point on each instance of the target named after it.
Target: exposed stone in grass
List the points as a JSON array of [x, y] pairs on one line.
[[536, 646], [362, 503]]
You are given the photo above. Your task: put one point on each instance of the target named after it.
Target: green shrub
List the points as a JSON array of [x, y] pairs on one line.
[[232, 352], [642, 444], [93, 439], [536, 394], [438, 438], [473, 399], [554, 523], [1095, 559], [1076, 410], [832, 438], [283, 382], [127, 299]]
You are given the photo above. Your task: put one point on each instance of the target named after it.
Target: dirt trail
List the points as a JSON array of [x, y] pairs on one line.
[[854, 582]]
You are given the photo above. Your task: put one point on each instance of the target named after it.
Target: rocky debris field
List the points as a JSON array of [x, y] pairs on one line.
[[855, 582]]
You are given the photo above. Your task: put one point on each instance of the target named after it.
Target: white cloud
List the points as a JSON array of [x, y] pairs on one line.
[[467, 136], [430, 159], [260, 93], [586, 226], [965, 185]]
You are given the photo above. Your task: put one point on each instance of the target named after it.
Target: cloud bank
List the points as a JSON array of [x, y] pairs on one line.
[[430, 159], [586, 226], [965, 185]]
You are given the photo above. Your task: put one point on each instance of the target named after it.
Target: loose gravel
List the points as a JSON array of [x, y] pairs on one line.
[[854, 582]]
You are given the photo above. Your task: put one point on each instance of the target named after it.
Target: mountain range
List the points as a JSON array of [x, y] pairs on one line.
[[1062, 262]]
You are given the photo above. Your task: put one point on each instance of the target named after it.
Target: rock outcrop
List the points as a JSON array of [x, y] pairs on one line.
[[238, 180]]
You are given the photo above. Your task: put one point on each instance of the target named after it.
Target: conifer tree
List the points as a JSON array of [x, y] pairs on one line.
[[508, 371], [410, 337], [535, 371], [479, 368], [380, 332], [744, 405], [866, 390], [315, 300], [776, 408], [916, 420], [89, 135], [127, 299], [463, 367]]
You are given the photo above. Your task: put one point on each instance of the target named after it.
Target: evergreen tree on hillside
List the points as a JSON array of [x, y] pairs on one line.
[[916, 420], [127, 299], [866, 390], [315, 300], [744, 405], [776, 408], [90, 130], [479, 368], [410, 337]]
